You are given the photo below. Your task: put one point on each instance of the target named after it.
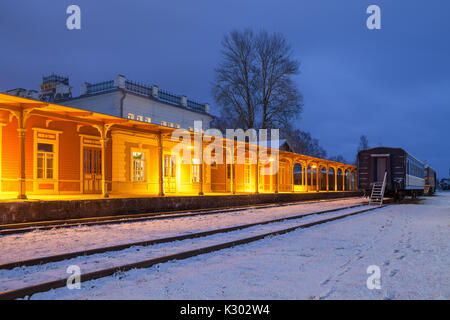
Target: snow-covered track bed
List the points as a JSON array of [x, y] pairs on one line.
[[102, 262], [41, 243], [48, 225], [70, 255]]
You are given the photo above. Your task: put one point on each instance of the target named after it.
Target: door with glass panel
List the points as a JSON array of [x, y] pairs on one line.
[[138, 167], [170, 173], [92, 170], [45, 167], [45, 156]]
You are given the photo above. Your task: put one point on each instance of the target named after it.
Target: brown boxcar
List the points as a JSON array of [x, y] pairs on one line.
[[405, 174], [430, 181]]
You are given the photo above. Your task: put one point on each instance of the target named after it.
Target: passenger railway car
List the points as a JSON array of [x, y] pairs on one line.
[[430, 181], [405, 174]]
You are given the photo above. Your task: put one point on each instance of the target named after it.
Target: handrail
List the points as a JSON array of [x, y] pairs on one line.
[[383, 188]]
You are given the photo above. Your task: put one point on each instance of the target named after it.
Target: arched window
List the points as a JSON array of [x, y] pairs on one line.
[[312, 176], [340, 184], [331, 179], [298, 174], [323, 179], [308, 176], [347, 180]]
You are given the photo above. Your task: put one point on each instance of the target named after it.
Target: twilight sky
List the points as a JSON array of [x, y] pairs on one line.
[[391, 84]]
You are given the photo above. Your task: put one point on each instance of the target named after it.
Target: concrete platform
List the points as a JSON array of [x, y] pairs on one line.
[[46, 210]]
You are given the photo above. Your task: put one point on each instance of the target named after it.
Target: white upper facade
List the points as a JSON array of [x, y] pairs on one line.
[[123, 98]]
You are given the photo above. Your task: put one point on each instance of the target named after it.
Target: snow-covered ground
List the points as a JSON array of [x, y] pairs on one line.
[[27, 276], [409, 243], [41, 243]]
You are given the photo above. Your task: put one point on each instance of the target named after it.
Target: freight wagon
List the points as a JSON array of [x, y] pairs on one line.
[[430, 181]]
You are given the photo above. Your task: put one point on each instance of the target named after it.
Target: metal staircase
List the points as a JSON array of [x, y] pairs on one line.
[[376, 198]]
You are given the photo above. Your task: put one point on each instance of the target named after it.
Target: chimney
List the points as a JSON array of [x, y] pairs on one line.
[[183, 101], [155, 90], [207, 108], [119, 81]]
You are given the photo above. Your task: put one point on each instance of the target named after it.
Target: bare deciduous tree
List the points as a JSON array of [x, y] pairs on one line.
[[338, 158], [253, 83], [302, 142], [363, 143]]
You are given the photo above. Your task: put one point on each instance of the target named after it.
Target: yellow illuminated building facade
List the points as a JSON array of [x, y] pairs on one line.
[[54, 151]]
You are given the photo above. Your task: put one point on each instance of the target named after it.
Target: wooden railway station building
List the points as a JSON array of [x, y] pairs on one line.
[[51, 149]]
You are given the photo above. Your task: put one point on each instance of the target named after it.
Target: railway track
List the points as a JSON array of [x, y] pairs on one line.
[[18, 228], [239, 235]]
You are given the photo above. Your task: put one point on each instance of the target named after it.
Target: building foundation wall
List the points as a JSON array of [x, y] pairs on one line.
[[32, 211]]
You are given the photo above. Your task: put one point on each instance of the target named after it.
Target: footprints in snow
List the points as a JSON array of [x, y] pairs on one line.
[[393, 273]]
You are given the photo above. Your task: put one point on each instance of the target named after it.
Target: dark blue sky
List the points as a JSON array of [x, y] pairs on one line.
[[391, 84]]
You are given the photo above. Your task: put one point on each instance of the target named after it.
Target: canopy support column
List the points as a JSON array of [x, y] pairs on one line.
[[317, 178], [292, 176], [335, 178], [328, 179], [21, 119], [257, 172], [161, 164], [104, 144], [22, 175], [103, 130], [306, 176]]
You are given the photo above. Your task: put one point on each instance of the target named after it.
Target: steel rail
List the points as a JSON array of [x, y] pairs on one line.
[[42, 287], [88, 252], [18, 228]]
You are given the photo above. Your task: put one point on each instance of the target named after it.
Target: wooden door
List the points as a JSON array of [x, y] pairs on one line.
[[381, 168], [228, 177], [92, 170]]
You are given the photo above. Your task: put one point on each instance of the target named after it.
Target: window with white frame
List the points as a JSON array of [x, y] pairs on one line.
[[171, 124], [131, 116], [177, 126], [140, 118], [45, 161], [164, 123], [148, 119], [170, 166], [247, 174], [138, 166]]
